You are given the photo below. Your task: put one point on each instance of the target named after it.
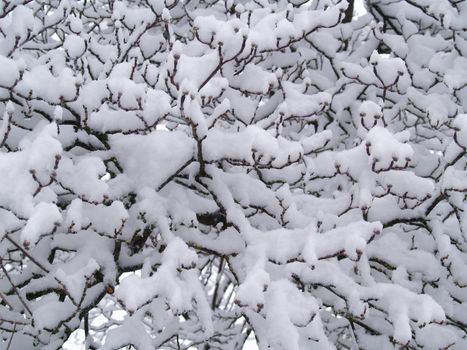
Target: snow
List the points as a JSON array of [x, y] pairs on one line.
[[74, 46], [132, 152], [195, 174], [37, 80], [49, 314], [8, 71], [84, 178], [44, 218]]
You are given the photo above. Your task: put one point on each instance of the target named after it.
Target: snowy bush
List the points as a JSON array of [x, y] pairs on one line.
[[185, 174]]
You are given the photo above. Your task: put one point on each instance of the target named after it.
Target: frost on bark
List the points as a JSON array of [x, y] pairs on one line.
[[186, 174]]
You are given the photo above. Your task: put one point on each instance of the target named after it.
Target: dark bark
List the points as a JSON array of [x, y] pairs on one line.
[[349, 12]]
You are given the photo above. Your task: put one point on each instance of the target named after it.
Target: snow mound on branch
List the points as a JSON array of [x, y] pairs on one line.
[[149, 160]]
